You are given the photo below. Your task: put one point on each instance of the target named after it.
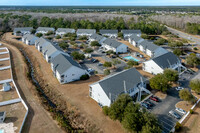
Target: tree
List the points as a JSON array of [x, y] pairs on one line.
[[49, 33], [64, 45], [88, 50], [120, 34], [195, 85], [192, 60], [77, 56], [133, 118], [178, 52], [33, 31], [95, 43], [107, 64], [171, 75], [185, 95], [159, 82], [116, 111], [83, 38], [145, 36], [58, 37], [160, 41], [106, 72], [132, 63], [39, 34], [175, 44], [115, 62]]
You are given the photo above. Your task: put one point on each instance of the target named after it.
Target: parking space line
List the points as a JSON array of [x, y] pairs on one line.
[[166, 123], [170, 120], [167, 129]]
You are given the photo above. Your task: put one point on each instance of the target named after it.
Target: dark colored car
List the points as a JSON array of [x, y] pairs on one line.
[[149, 103], [145, 105], [94, 60]]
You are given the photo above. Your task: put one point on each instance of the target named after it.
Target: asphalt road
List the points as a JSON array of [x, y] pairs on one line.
[[184, 35]]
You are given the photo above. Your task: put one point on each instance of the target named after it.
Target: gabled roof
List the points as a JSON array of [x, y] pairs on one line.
[[136, 38], [131, 31], [49, 49], [23, 29], [63, 63], [30, 37], [166, 60], [112, 43], [108, 31], [96, 37], [114, 84], [66, 30], [41, 41], [45, 29], [149, 45], [87, 31]]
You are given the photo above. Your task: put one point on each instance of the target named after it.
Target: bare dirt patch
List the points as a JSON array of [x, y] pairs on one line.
[[143, 73], [160, 94], [5, 74], [4, 63], [14, 113], [9, 95], [4, 56], [192, 125], [184, 105], [3, 50]]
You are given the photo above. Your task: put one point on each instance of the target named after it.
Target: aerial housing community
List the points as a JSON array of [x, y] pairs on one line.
[[128, 62]]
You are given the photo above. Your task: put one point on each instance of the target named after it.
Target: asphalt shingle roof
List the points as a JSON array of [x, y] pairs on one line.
[[131, 31], [97, 37], [49, 49], [165, 60], [66, 30], [41, 41], [149, 45], [112, 43], [108, 31], [88, 31], [30, 37], [45, 29], [23, 29], [63, 63], [114, 84], [136, 38]]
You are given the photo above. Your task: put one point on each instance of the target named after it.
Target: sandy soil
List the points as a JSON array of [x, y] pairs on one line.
[[3, 50], [5, 74], [145, 74], [14, 113], [160, 95], [4, 63], [38, 120], [12, 94], [192, 125], [75, 93], [184, 105], [4, 56]]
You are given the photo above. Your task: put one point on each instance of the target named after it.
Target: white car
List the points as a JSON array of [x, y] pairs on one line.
[[179, 88], [181, 111], [90, 70]]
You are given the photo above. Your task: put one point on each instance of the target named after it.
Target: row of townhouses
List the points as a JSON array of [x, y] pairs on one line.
[[80, 32], [64, 68]]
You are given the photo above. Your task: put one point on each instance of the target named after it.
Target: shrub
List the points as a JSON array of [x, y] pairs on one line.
[[106, 72], [131, 63], [106, 110], [145, 36], [107, 64], [39, 34], [88, 50], [58, 37], [84, 77], [191, 111], [178, 127], [195, 48]]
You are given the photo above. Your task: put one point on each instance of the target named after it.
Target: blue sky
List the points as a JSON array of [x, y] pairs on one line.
[[101, 2]]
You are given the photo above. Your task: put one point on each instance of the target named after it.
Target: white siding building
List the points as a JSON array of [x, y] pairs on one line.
[[96, 37], [135, 40], [44, 30], [114, 45], [151, 49], [128, 33], [40, 43], [63, 31], [159, 64], [65, 69], [85, 32], [105, 91], [109, 33], [22, 30], [29, 39]]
